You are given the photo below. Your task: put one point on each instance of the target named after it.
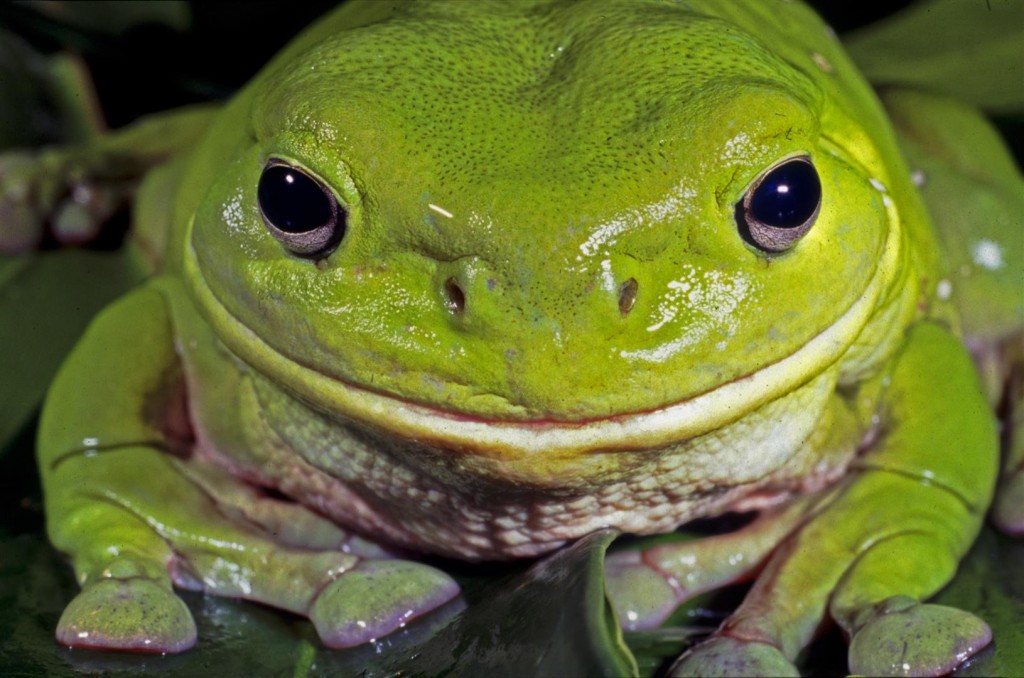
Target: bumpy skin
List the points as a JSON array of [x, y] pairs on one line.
[[542, 319]]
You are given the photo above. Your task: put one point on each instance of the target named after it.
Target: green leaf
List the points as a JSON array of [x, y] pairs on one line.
[[46, 300], [968, 49], [989, 584], [553, 620]]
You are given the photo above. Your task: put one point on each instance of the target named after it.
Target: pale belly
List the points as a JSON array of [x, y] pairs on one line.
[[478, 507]]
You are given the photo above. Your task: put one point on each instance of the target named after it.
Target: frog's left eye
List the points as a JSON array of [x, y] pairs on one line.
[[781, 206], [299, 211]]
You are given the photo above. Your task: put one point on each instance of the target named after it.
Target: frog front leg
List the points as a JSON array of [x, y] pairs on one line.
[[137, 514], [70, 192], [890, 537], [645, 586]]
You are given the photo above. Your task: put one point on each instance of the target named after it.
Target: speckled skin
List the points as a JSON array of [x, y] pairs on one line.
[[472, 507], [540, 158], [556, 202]]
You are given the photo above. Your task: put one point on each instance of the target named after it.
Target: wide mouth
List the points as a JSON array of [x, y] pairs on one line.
[[514, 439]]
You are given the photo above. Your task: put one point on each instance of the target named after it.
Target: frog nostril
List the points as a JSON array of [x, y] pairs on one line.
[[627, 295], [455, 298]]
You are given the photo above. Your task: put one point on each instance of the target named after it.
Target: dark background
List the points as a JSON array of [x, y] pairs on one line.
[[154, 67]]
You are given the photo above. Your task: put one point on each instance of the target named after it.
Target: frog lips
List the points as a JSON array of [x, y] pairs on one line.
[[671, 423], [507, 439]]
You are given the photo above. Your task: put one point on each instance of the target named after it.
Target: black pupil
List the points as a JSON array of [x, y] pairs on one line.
[[787, 196], [291, 201]]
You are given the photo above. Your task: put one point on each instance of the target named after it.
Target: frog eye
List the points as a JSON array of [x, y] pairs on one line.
[[781, 206], [299, 210]]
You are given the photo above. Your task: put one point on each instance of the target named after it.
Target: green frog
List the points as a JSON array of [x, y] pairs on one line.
[[476, 279]]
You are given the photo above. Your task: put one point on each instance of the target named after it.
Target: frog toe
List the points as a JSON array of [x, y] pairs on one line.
[[724, 656], [917, 640], [136, 614], [377, 598]]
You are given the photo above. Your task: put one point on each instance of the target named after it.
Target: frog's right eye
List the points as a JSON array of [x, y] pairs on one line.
[[299, 210]]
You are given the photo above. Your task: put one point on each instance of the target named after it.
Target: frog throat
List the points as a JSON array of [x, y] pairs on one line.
[[507, 439]]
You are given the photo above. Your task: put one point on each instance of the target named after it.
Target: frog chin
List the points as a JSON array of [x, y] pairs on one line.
[[521, 439]]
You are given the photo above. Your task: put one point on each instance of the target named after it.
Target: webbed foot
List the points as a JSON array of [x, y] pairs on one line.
[[377, 598], [724, 656], [136, 614], [902, 637]]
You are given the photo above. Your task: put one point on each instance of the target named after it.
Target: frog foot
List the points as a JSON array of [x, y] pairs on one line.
[[902, 637], [375, 599], [135, 614], [54, 192], [726, 656], [1008, 512]]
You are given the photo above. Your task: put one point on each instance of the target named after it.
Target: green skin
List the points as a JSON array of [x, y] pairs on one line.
[[542, 320]]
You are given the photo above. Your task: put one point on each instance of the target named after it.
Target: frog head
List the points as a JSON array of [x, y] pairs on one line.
[[548, 227]]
